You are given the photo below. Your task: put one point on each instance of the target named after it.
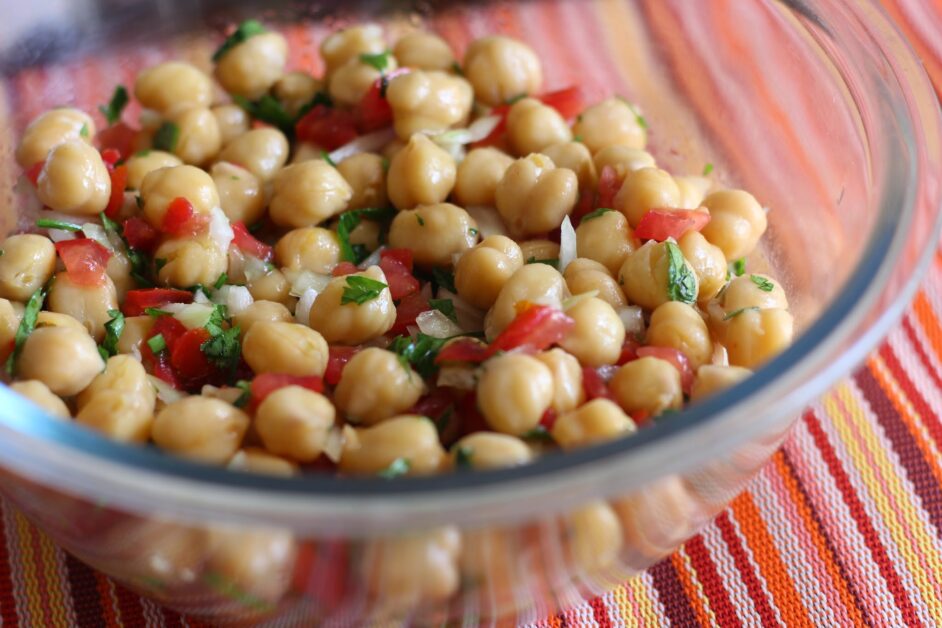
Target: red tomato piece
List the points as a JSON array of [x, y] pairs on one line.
[[629, 351], [339, 356], [168, 327], [675, 357], [327, 127], [344, 268], [471, 418], [661, 224], [32, 173], [609, 184], [140, 235], [119, 179], [374, 112], [640, 417], [537, 328], [187, 355], [118, 137], [548, 420], [594, 386], [136, 301], [401, 255], [463, 350], [247, 243], [161, 369], [398, 276], [585, 206], [267, 383], [410, 307], [84, 259], [182, 219], [568, 101], [494, 136], [110, 156]]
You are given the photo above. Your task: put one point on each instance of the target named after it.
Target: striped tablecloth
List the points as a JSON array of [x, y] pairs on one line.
[[843, 528]]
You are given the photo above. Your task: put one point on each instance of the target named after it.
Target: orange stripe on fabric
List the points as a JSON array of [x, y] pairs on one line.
[[929, 322], [108, 612], [779, 583], [687, 577]]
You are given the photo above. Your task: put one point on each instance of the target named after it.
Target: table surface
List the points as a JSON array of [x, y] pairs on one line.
[[843, 528]]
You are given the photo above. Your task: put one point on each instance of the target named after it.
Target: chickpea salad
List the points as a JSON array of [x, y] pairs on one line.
[[410, 264]]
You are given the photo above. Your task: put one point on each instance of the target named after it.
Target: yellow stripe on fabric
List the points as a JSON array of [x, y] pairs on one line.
[[646, 608], [877, 471], [693, 588], [621, 607], [57, 593], [30, 569]]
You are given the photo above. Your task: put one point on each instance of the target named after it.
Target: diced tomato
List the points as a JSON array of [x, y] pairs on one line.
[[594, 386], [407, 310], [136, 301], [463, 350], [471, 418], [609, 184], [32, 173], [374, 112], [568, 101], [187, 355], [344, 268], [396, 265], [140, 235], [536, 328], [170, 328], [119, 179], [629, 351], [161, 369], [498, 132], [85, 260], [339, 356], [181, 219], [110, 156], [439, 405], [548, 420], [640, 417], [675, 357], [247, 243], [118, 137], [327, 127], [661, 224], [585, 206], [267, 383], [404, 256]]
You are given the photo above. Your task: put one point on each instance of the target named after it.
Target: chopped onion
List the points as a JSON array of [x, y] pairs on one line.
[[372, 260], [632, 318], [200, 297], [174, 308], [435, 324], [149, 118], [369, 143], [607, 371], [235, 298], [229, 394], [453, 136], [333, 446], [302, 280], [578, 298], [302, 311], [165, 392], [194, 315], [469, 317], [60, 235], [720, 355], [460, 377], [255, 268], [488, 221], [482, 127], [567, 244], [220, 231]]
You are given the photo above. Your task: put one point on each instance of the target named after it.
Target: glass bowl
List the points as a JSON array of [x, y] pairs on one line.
[[819, 109]]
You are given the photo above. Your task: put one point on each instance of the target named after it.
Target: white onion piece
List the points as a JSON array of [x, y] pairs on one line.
[[303, 280], [372, 260], [607, 371], [435, 324], [460, 377], [220, 231], [254, 268], [29, 207], [236, 267], [632, 318], [194, 315], [302, 311], [571, 302], [369, 143], [333, 446], [235, 298], [173, 308], [227, 394], [60, 235], [469, 317], [488, 220], [165, 392], [720, 355], [452, 136], [200, 297], [567, 244], [149, 118]]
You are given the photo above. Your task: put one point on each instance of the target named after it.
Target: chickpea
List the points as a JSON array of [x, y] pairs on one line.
[[367, 233], [622, 159], [707, 262], [478, 175], [50, 129], [713, 378], [190, 261], [74, 180], [142, 163], [576, 157], [745, 291], [122, 374], [232, 121], [256, 562], [611, 122], [598, 334], [118, 270], [118, 415], [646, 189], [647, 384], [63, 358], [240, 193], [27, 263], [567, 379], [489, 450], [160, 187], [435, 233], [200, 428], [54, 319], [282, 347], [585, 275], [514, 390], [350, 43], [294, 422], [250, 68], [424, 51], [501, 68], [273, 287], [173, 86], [692, 190], [755, 336], [370, 450], [199, 138], [533, 126], [308, 193], [263, 152], [537, 283], [260, 312], [157, 551], [644, 275], [482, 271], [415, 570], [253, 460], [375, 386], [738, 221], [679, 326], [295, 89], [350, 82], [536, 250], [10, 315], [595, 536], [87, 304], [421, 173], [534, 196], [308, 248], [367, 178], [607, 239], [352, 323], [136, 328], [39, 393]]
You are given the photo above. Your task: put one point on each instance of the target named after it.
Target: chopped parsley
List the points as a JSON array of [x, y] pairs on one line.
[[166, 137], [379, 60], [246, 396], [223, 278], [245, 30], [739, 267], [420, 220], [348, 221], [707, 169], [537, 433], [514, 99], [217, 318], [142, 153], [736, 313], [446, 307], [119, 100], [419, 353], [26, 327], [463, 457], [224, 350], [456, 68], [326, 157], [549, 261], [473, 232], [577, 138], [157, 343], [84, 132], [681, 282], [48, 223], [113, 331], [397, 468], [764, 284], [269, 110], [361, 289], [320, 98], [444, 279], [155, 312], [595, 214], [139, 201]]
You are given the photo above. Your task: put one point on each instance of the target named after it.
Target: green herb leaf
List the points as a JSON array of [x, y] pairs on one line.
[[456, 68], [245, 30], [514, 99], [419, 353], [473, 232], [119, 100], [736, 313], [217, 318], [157, 343], [113, 331], [463, 457], [595, 214], [420, 220], [139, 201], [140, 265], [549, 261], [166, 137], [48, 223], [379, 60], [269, 110], [142, 153], [577, 138], [326, 157], [26, 327], [739, 267], [707, 169], [640, 119], [246, 396], [446, 307], [398, 467], [84, 132], [223, 278], [320, 98], [361, 289], [348, 221], [538, 433], [764, 284], [155, 312], [444, 279], [224, 350], [681, 282]]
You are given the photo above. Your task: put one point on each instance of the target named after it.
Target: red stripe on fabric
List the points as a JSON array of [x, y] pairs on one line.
[[921, 352], [600, 612], [84, 591], [7, 601], [713, 588], [756, 593], [859, 514], [671, 593], [131, 612]]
